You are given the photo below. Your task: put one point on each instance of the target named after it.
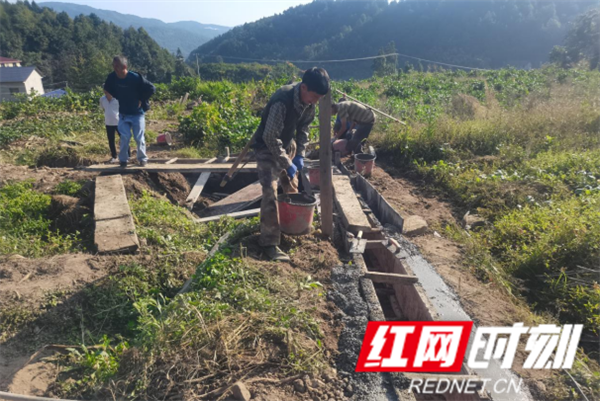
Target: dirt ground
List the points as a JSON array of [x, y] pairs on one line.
[[487, 305], [26, 367], [32, 284]]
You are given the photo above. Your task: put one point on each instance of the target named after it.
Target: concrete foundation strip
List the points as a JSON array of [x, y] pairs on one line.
[[430, 298]]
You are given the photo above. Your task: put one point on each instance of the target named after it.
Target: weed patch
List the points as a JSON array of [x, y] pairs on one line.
[[25, 224]]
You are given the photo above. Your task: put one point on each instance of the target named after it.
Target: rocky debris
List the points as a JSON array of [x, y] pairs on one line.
[[472, 221], [240, 392], [299, 386], [414, 225]]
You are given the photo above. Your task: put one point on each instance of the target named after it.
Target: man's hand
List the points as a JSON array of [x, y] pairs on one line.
[[298, 162], [139, 104], [108, 95], [291, 171]]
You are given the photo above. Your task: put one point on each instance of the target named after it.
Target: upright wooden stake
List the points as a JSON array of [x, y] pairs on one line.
[[325, 165]]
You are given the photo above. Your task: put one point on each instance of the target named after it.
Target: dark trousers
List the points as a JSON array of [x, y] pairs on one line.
[[110, 133], [361, 133]]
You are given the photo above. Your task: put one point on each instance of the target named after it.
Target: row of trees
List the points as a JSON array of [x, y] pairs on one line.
[[582, 42], [483, 34], [78, 51]]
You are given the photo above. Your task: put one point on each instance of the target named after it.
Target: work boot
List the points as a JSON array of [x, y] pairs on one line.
[[123, 164], [276, 254]]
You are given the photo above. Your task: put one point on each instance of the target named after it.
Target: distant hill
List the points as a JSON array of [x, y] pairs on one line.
[[483, 34], [77, 52], [186, 35]]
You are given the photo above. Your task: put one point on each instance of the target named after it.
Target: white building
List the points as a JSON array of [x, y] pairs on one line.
[[15, 80]]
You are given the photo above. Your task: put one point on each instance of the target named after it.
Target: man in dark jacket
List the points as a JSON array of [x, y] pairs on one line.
[[280, 143], [132, 91]]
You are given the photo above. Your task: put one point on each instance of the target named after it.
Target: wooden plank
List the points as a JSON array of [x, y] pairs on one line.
[[116, 236], [236, 215], [391, 278], [236, 201], [115, 230], [325, 165], [189, 161], [170, 168], [196, 190], [350, 209], [110, 201], [173, 160]]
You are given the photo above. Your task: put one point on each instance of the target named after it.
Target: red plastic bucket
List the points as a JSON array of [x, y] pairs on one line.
[[363, 164], [296, 213], [164, 139]]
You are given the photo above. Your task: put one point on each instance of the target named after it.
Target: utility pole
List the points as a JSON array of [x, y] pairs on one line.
[[197, 65]]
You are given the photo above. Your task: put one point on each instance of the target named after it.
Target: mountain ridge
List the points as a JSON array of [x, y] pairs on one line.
[[484, 34], [185, 35]]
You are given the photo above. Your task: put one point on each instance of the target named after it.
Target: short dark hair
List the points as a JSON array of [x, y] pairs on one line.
[[316, 80], [342, 99], [121, 60]]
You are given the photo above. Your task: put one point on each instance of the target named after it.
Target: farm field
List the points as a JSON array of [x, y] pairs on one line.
[[519, 151]]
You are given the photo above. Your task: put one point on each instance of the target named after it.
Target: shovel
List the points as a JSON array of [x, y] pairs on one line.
[[305, 182]]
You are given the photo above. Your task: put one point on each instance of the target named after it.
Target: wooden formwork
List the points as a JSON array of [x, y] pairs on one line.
[[384, 258]]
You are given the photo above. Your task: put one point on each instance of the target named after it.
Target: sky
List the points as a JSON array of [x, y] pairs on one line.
[[219, 12]]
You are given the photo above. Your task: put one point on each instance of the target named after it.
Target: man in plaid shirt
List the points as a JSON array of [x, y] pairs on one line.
[[280, 143]]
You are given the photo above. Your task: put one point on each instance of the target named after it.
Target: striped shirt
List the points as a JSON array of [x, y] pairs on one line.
[[355, 112], [274, 126]]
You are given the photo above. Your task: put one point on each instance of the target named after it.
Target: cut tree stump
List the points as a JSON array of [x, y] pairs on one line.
[[353, 217], [115, 230], [235, 202]]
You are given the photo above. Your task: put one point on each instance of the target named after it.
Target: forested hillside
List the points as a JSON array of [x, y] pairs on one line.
[[185, 35], [79, 50], [484, 34]]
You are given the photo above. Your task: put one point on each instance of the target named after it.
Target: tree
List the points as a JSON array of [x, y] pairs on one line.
[[583, 40], [181, 68]]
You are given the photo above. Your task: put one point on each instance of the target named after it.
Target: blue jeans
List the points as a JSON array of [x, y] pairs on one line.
[[132, 124]]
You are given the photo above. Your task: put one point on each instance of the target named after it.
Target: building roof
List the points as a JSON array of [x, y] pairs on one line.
[[15, 74], [8, 60], [55, 93]]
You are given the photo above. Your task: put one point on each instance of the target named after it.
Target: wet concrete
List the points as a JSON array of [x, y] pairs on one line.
[[355, 315], [445, 302]]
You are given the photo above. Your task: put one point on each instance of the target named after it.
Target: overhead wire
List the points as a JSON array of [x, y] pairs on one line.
[[347, 60]]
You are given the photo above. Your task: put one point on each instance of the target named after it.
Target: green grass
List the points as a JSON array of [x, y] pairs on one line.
[[135, 310], [25, 227], [528, 160]]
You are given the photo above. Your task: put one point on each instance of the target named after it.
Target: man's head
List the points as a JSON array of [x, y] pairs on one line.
[[315, 84], [120, 66], [334, 109]]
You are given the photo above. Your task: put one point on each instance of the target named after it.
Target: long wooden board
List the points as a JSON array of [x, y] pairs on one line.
[[236, 201], [235, 215], [197, 190], [115, 230], [391, 278], [170, 168], [347, 203]]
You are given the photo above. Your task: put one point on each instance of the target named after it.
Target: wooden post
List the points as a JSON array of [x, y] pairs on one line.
[[325, 165]]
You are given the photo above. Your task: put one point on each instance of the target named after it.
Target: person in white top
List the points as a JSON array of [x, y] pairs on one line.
[[111, 120]]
